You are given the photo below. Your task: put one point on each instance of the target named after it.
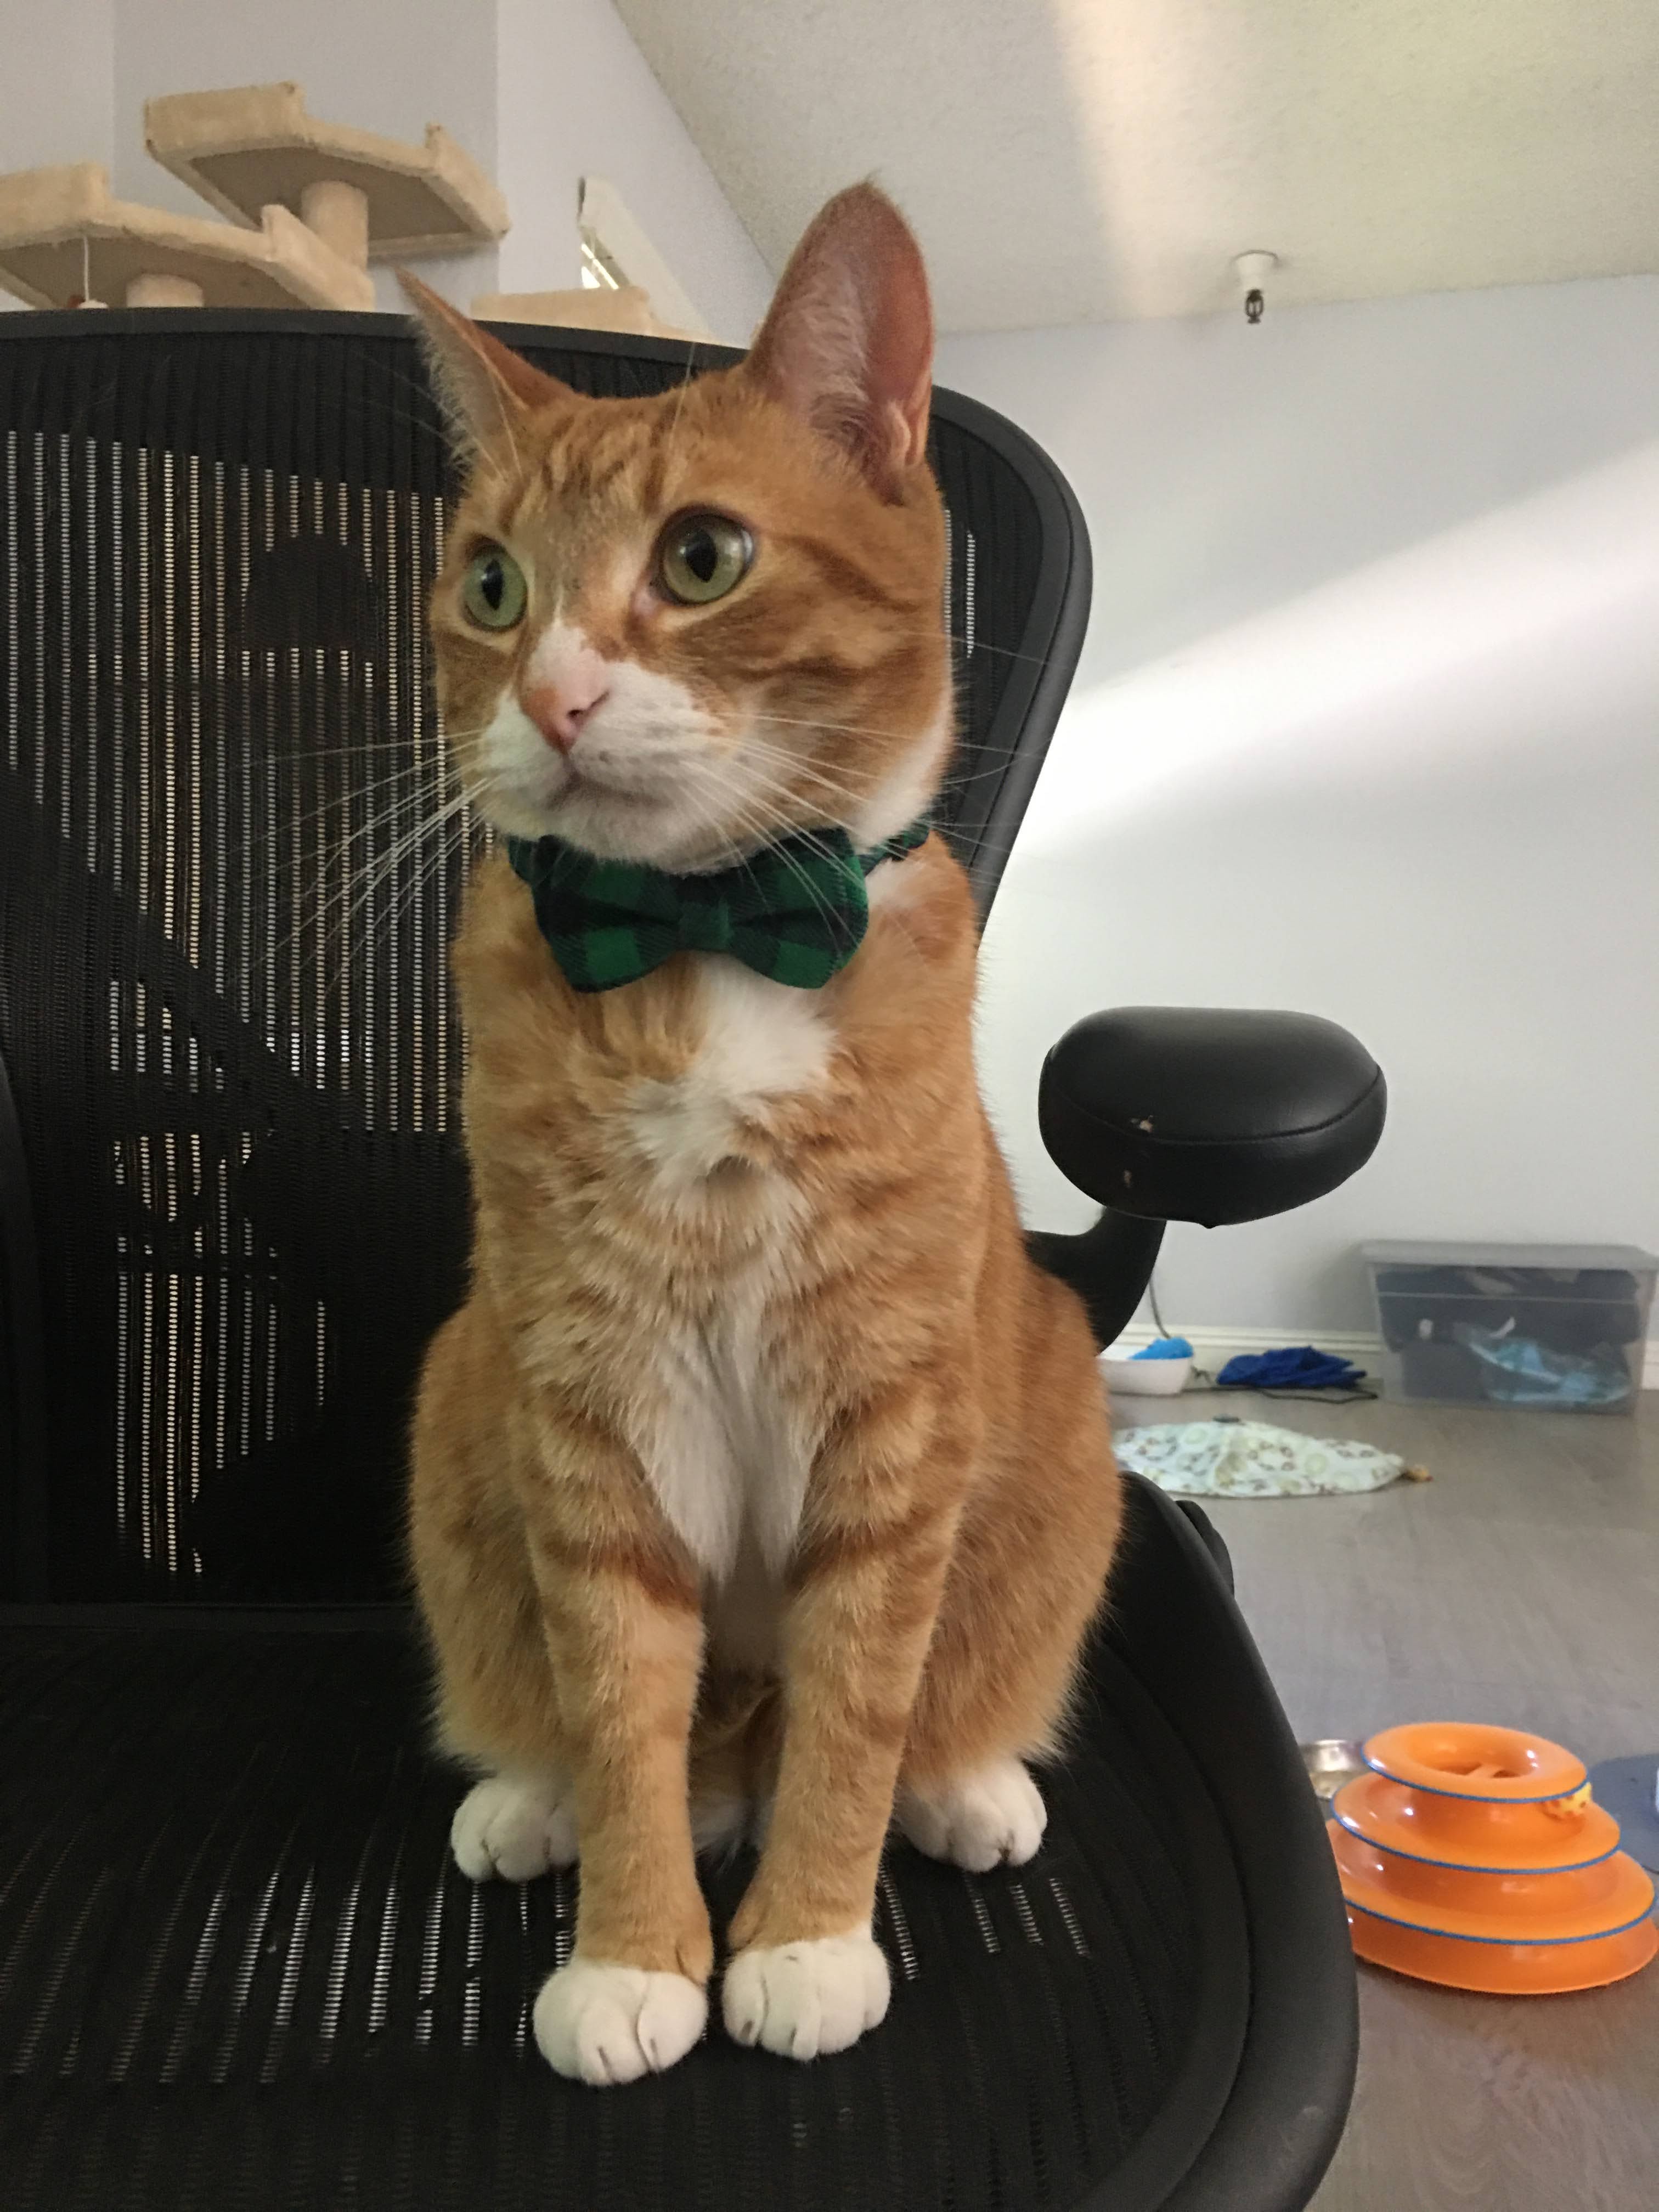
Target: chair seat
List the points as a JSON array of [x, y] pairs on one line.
[[238, 1966]]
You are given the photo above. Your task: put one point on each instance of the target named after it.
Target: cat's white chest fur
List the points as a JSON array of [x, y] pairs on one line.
[[761, 1041], [724, 1445]]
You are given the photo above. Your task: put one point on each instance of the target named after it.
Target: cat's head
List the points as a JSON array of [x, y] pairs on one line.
[[675, 629]]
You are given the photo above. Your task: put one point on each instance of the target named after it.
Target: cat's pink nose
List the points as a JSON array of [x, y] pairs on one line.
[[559, 709]]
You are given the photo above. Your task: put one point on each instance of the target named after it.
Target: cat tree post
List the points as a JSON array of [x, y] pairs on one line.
[[338, 213], [156, 291]]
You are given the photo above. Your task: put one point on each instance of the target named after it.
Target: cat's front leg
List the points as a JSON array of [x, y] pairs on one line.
[[807, 1976], [625, 1633]]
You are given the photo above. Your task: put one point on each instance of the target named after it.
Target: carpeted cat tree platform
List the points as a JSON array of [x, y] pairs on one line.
[[307, 204]]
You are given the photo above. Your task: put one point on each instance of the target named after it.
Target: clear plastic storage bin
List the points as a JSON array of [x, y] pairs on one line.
[[1560, 1326]]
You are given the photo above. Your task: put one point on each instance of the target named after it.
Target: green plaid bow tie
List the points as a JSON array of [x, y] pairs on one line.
[[796, 912]]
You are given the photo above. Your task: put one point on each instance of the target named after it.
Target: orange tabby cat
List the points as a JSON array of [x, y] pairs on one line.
[[762, 1482]]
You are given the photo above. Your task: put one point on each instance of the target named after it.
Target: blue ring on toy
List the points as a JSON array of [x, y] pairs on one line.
[[1472, 1797], [1503, 1942], [1463, 1866]]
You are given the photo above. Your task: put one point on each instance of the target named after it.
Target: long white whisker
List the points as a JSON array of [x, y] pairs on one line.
[[746, 820], [429, 867], [285, 824], [362, 896], [357, 891], [863, 730], [679, 405]]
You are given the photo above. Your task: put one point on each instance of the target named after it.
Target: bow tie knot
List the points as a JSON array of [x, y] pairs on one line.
[[706, 928]]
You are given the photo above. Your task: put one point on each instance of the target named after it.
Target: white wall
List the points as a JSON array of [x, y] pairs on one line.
[[57, 85], [1367, 723], [576, 98]]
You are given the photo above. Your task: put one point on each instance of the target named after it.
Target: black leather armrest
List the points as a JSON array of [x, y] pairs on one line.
[[1179, 1113]]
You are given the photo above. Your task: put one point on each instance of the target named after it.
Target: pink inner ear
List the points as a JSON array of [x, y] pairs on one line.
[[483, 378], [848, 343], [902, 335]]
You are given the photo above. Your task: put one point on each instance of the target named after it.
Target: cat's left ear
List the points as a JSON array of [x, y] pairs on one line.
[[485, 388], [847, 345]]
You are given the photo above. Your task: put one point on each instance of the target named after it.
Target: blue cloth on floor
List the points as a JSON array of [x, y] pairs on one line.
[[1300, 1367]]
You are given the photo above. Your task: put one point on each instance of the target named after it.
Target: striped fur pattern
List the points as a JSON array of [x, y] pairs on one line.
[[762, 1485]]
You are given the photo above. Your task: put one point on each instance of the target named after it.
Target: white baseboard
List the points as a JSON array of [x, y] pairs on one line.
[[1213, 1347]]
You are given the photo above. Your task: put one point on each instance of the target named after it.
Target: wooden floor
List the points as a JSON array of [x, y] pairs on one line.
[[1521, 1586]]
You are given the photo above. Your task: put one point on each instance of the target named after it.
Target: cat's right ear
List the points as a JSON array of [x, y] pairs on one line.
[[485, 389]]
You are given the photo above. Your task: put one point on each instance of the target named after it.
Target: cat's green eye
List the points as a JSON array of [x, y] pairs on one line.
[[701, 556], [492, 590]]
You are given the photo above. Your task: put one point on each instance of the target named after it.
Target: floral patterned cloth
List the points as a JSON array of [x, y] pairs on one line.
[[1250, 1459]]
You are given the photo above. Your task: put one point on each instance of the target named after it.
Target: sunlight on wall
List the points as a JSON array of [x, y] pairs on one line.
[[1398, 667], [1421, 799]]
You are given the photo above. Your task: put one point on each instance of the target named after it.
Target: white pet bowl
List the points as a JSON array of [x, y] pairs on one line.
[[1146, 1378]]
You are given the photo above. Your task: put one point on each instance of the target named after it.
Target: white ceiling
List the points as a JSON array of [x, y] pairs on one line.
[[1079, 160]]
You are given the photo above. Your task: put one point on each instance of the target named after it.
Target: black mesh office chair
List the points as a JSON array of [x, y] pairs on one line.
[[237, 1966]]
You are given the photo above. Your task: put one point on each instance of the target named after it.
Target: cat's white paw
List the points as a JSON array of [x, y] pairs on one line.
[[804, 2000], [607, 2024], [994, 1817], [513, 1829]]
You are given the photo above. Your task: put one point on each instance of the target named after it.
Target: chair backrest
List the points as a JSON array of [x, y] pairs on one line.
[[232, 1204]]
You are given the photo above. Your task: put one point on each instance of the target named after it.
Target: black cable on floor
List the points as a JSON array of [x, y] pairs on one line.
[[1332, 1397]]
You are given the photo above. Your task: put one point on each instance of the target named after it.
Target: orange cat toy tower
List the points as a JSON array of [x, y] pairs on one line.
[[1476, 1856]]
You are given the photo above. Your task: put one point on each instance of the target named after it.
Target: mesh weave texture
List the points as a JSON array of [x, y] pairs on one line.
[[225, 907], [239, 1971]]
